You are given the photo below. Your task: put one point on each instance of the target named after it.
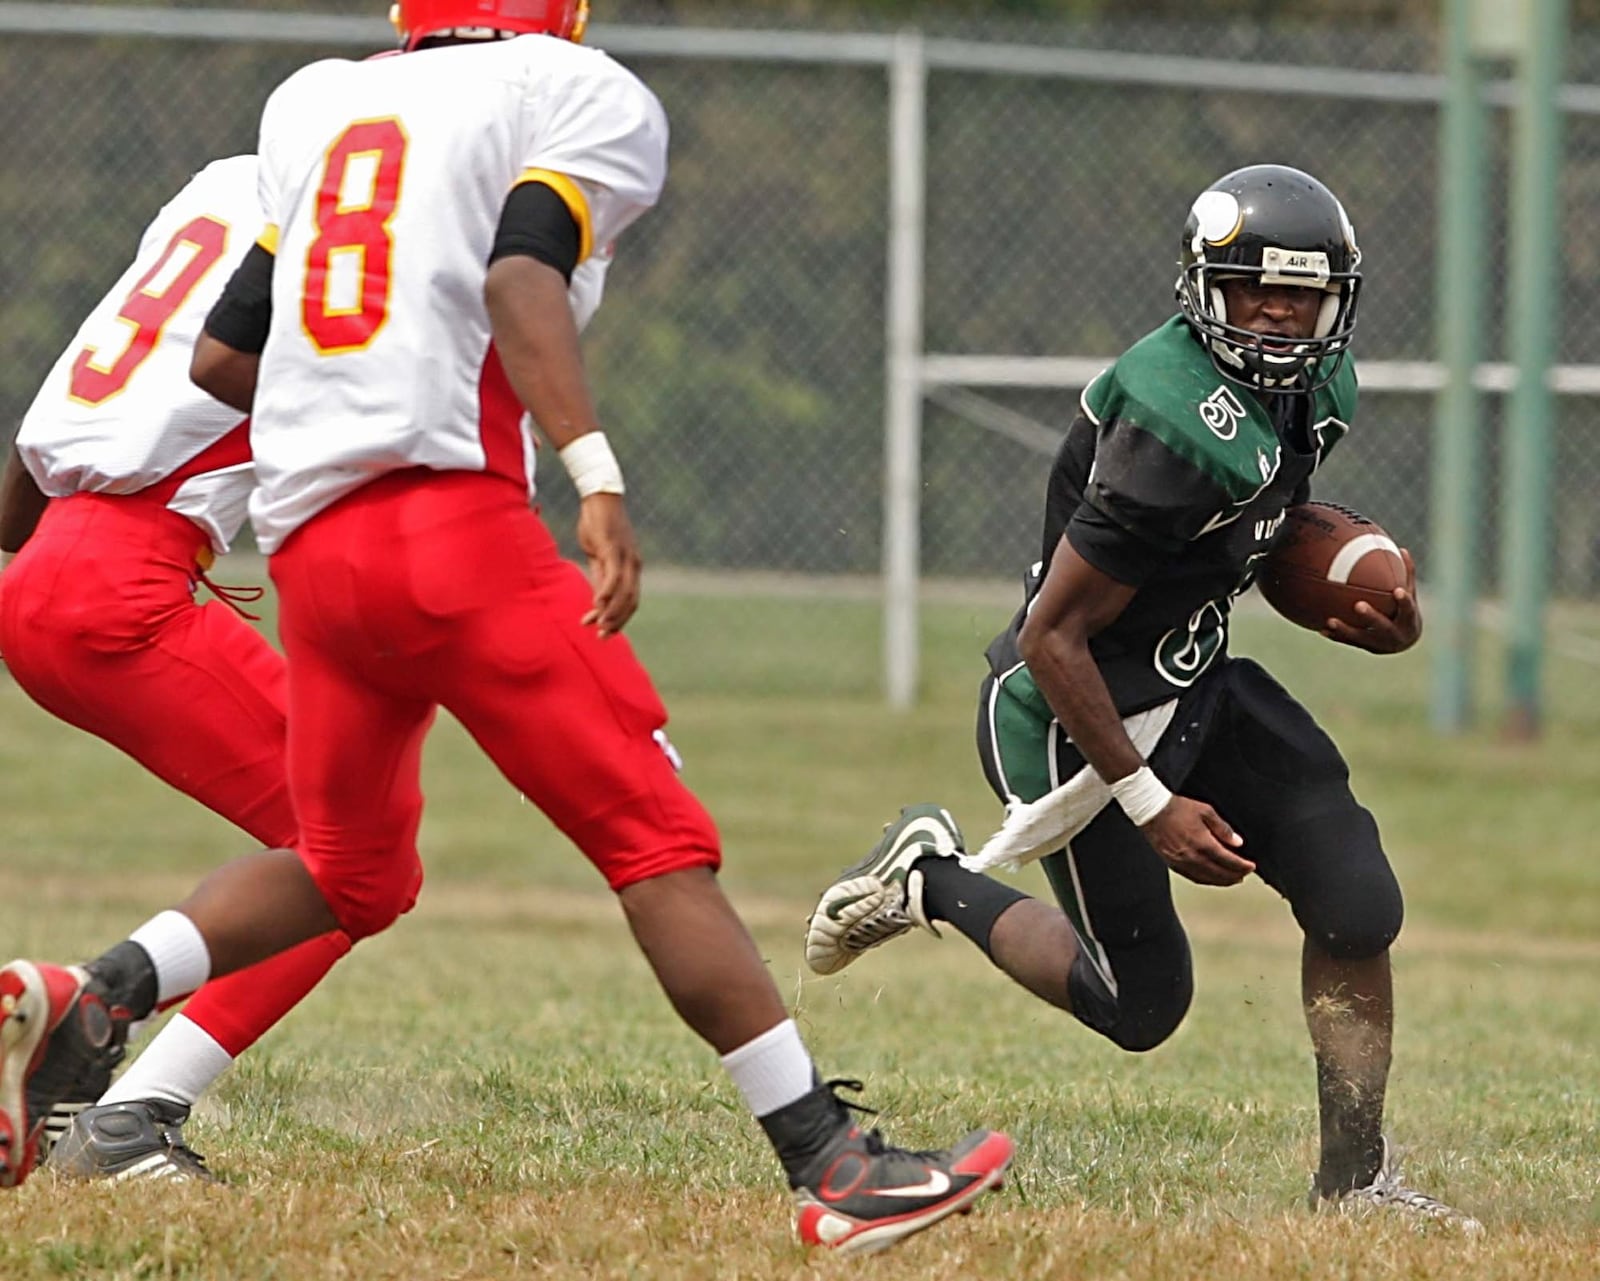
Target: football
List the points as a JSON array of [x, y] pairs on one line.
[[1325, 559]]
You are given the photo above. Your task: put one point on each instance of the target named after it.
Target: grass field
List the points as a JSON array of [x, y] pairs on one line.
[[494, 1089]]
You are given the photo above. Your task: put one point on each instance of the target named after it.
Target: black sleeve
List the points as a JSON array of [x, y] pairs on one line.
[[1112, 549], [1142, 505], [243, 315], [1302, 493], [536, 223]]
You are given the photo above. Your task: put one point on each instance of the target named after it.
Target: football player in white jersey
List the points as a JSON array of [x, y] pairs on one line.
[[124, 483], [399, 323]]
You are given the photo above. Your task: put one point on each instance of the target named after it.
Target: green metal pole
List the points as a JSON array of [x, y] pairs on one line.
[[1535, 231], [1461, 288]]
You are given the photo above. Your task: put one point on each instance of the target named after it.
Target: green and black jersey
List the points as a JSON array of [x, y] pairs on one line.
[[1173, 480]]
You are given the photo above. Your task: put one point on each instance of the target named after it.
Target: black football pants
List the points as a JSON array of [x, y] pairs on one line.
[[1241, 743]]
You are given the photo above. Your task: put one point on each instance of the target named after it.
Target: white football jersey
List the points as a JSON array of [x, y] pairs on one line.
[[383, 183], [118, 414]]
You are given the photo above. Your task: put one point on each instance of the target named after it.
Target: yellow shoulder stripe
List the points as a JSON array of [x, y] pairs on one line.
[[268, 239], [572, 196]]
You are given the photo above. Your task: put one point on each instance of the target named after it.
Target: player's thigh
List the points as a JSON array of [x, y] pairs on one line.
[[192, 693], [1278, 777], [576, 725], [1266, 765], [1022, 748], [1110, 881], [355, 753], [1134, 977], [216, 694], [355, 764]]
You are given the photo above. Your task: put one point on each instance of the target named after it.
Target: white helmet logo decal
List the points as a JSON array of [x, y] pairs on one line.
[[1346, 226], [1217, 218], [1349, 235]]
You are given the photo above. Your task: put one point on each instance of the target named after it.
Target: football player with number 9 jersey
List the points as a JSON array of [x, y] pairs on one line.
[[401, 320], [125, 482]]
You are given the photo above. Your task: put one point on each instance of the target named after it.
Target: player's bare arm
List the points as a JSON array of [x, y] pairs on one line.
[[22, 502], [1379, 634], [1075, 602], [224, 372], [227, 357], [537, 339]]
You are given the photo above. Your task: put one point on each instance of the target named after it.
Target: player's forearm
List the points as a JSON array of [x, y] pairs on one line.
[[22, 502], [538, 344], [1064, 669]]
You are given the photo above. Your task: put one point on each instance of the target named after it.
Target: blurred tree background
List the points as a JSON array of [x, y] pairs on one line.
[[741, 354], [1393, 14]]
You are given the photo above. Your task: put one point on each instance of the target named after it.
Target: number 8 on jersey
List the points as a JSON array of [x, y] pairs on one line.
[[348, 265]]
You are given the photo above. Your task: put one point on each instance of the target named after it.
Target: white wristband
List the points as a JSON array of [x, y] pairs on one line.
[[1142, 795], [592, 465]]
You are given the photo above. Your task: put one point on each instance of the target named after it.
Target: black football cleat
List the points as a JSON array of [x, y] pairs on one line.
[[141, 1139]]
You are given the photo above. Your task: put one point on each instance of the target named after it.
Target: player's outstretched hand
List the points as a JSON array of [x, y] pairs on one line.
[[1380, 635], [1197, 842], [606, 536]]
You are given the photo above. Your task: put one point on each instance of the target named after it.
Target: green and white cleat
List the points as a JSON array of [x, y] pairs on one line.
[[1388, 1195], [880, 898]]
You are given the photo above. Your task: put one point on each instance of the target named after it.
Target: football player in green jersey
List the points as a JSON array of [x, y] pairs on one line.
[[1168, 487]]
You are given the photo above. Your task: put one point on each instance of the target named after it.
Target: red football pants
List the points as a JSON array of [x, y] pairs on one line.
[[426, 589], [99, 626]]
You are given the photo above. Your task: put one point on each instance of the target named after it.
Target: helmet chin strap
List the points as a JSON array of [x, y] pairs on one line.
[[1229, 353], [1259, 372], [1227, 350]]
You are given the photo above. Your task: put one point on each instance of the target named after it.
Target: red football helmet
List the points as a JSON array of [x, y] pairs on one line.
[[415, 20]]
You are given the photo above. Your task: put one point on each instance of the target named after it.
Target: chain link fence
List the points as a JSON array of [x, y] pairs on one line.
[[741, 356]]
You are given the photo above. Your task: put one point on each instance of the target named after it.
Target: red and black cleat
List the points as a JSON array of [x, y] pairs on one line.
[[870, 1195], [58, 1044]]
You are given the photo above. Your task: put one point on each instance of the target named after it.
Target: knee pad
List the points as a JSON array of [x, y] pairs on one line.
[[1146, 1008], [1356, 912], [368, 902]]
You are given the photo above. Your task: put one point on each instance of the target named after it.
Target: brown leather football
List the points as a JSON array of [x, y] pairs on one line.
[[1325, 559]]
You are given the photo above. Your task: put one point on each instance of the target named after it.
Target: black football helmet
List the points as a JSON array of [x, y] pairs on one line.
[[1285, 227]]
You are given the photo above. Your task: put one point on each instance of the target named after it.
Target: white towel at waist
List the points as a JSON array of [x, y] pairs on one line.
[[1033, 829]]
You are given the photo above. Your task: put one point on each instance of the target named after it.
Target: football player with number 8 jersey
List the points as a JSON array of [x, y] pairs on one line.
[[400, 321], [124, 484]]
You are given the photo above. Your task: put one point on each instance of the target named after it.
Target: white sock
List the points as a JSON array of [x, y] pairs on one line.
[[179, 952], [773, 1070], [177, 1066]]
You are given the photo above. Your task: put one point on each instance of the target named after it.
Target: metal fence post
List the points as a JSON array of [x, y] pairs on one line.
[[1452, 569], [1535, 245], [902, 443]]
